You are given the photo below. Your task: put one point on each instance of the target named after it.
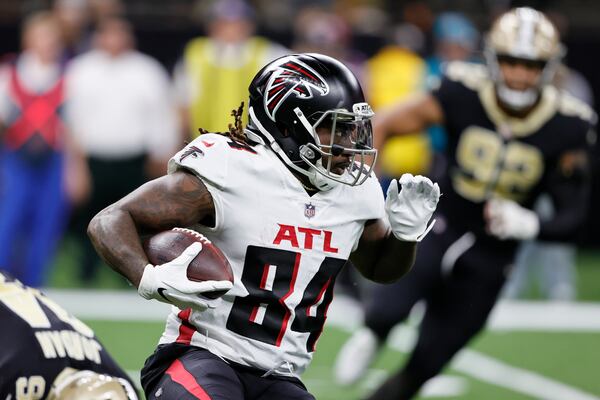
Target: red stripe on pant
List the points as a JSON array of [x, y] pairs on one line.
[[179, 374]]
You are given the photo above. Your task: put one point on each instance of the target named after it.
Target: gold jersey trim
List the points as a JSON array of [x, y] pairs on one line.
[[519, 127]]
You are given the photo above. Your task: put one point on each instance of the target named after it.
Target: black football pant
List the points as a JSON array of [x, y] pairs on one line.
[[196, 373], [459, 275]]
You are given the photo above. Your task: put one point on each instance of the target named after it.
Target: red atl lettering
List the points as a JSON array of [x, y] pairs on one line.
[[327, 244], [288, 233], [308, 236]]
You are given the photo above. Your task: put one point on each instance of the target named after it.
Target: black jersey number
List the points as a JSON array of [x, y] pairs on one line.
[[489, 166], [270, 276]]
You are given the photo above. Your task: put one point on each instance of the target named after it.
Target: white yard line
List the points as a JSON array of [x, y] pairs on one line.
[[512, 315], [343, 313], [545, 316], [490, 370], [495, 372], [111, 305]]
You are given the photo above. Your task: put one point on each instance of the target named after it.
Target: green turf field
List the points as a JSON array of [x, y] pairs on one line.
[[513, 364], [570, 358]]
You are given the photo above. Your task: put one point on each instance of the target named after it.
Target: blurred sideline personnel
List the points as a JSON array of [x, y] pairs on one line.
[[37, 158], [74, 18], [287, 201], [120, 111], [213, 77], [455, 38], [317, 29], [396, 72], [511, 136], [46, 353]]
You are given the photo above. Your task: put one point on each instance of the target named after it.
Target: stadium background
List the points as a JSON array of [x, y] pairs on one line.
[[532, 349]]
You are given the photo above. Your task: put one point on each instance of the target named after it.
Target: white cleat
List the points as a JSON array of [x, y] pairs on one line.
[[355, 357]]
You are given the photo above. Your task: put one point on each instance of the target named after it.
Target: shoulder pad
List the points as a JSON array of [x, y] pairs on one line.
[[471, 75], [571, 106], [207, 156]]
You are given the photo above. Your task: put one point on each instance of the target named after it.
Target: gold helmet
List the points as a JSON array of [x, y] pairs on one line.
[[526, 34], [89, 385]]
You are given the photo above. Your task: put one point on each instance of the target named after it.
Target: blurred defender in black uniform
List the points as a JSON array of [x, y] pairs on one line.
[[46, 353], [510, 136]]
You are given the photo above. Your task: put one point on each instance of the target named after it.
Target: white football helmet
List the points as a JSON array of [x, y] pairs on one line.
[[89, 385], [523, 34]]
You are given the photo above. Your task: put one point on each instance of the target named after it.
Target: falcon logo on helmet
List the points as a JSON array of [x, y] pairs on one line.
[[292, 77]]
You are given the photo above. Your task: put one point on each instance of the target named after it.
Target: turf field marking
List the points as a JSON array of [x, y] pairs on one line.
[[545, 316], [508, 315], [118, 305], [490, 370], [495, 372]]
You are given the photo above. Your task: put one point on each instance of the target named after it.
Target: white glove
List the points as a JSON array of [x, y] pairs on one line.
[[508, 220], [410, 210], [169, 283]]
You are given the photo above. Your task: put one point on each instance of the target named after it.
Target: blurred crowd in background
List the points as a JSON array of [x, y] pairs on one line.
[[96, 95]]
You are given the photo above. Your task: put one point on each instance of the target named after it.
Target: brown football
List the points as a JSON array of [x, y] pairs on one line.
[[209, 265]]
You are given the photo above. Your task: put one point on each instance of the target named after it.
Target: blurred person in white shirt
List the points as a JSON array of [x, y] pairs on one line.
[[121, 113]]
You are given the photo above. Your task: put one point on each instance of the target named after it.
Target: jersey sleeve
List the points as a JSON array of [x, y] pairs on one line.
[[207, 157]]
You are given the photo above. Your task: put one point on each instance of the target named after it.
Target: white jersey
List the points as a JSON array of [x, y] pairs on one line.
[[285, 248]]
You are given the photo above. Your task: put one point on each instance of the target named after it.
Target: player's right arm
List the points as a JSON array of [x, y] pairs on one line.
[[177, 199], [387, 247], [413, 115]]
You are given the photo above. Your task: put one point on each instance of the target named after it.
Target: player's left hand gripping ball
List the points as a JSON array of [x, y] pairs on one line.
[[169, 283], [410, 210]]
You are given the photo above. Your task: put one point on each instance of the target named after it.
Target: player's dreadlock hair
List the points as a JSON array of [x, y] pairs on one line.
[[236, 130]]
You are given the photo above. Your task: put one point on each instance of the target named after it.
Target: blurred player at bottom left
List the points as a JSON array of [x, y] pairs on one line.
[[46, 353]]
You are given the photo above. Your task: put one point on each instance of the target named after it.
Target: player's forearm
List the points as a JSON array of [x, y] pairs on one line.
[[566, 223], [115, 237], [570, 197], [397, 259], [178, 199], [384, 261]]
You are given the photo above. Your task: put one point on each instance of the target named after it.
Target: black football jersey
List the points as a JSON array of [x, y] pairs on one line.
[[491, 154], [39, 339]]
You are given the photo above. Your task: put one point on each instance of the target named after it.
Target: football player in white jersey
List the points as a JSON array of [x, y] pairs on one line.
[[287, 201]]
